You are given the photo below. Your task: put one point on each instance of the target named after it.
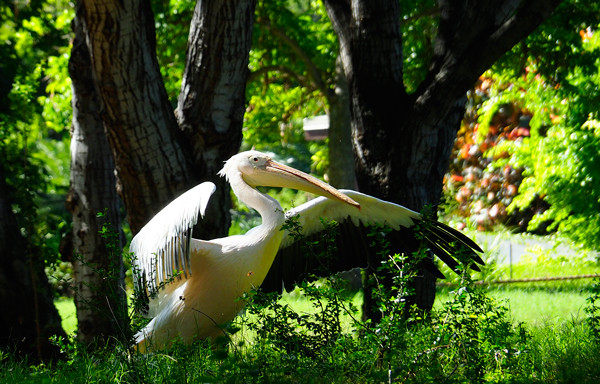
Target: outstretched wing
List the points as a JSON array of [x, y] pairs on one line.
[[161, 250], [351, 240]]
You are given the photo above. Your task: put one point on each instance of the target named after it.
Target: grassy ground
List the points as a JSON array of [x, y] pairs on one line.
[[474, 343], [536, 304], [473, 340]]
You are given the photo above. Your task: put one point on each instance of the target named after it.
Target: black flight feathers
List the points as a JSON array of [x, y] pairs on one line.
[[352, 248], [449, 245]]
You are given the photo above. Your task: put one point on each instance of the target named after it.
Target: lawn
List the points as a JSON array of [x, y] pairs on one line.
[[536, 304]]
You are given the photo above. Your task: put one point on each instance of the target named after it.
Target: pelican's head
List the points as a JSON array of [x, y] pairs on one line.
[[258, 169]]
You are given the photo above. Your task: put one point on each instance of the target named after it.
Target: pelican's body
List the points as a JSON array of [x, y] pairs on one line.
[[222, 271], [217, 273]]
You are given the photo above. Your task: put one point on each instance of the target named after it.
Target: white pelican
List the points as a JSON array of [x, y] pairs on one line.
[[213, 275]]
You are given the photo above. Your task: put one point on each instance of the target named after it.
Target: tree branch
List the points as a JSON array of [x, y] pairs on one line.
[[278, 68], [471, 37], [313, 71]]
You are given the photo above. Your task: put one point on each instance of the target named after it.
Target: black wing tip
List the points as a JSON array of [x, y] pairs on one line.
[[459, 236], [449, 244]]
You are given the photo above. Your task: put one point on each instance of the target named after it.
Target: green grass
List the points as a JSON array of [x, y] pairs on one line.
[[533, 303], [469, 341], [534, 306], [540, 306], [473, 342]]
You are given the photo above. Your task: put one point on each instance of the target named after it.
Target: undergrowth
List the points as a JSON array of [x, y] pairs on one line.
[[470, 338]]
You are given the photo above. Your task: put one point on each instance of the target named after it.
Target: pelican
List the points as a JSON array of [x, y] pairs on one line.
[[194, 286]]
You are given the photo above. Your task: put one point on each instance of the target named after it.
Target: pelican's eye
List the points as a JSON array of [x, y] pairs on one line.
[[257, 161]]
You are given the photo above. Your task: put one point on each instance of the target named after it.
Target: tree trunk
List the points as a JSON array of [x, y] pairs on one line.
[[148, 149], [93, 201], [402, 142], [28, 317], [211, 104], [156, 159]]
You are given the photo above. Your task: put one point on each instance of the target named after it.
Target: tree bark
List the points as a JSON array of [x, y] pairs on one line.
[[28, 317], [341, 155], [402, 141], [93, 201], [157, 156], [212, 100], [149, 152]]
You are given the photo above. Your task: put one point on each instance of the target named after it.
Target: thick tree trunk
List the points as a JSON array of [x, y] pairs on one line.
[[28, 317], [150, 154], [93, 201], [211, 104], [402, 142], [157, 159]]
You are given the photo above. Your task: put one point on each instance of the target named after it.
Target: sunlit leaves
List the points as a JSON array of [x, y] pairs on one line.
[[35, 116], [419, 26], [172, 23], [292, 64], [561, 159], [565, 170]]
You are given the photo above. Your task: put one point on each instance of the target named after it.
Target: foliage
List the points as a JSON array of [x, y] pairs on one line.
[[561, 156], [35, 116], [480, 185], [419, 27], [564, 168], [593, 311], [480, 326], [469, 338], [292, 65], [308, 334], [528, 155], [172, 23]]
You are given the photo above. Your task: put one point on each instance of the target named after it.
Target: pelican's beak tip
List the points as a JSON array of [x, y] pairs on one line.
[[354, 203]]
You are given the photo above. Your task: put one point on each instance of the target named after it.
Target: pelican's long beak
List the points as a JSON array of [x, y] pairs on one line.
[[280, 175]]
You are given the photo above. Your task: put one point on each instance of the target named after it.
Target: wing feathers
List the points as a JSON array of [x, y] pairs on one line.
[[353, 244], [162, 247]]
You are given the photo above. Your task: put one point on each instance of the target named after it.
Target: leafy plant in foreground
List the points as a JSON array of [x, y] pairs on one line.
[[306, 334], [593, 311], [476, 337]]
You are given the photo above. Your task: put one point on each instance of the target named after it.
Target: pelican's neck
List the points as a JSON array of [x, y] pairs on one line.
[[269, 209]]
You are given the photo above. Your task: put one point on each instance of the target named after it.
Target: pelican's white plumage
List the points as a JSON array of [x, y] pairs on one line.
[[217, 273], [155, 246], [372, 211]]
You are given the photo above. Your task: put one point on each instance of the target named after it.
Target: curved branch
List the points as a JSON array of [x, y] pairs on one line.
[[471, 37], [314, 72], [278, 68]]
